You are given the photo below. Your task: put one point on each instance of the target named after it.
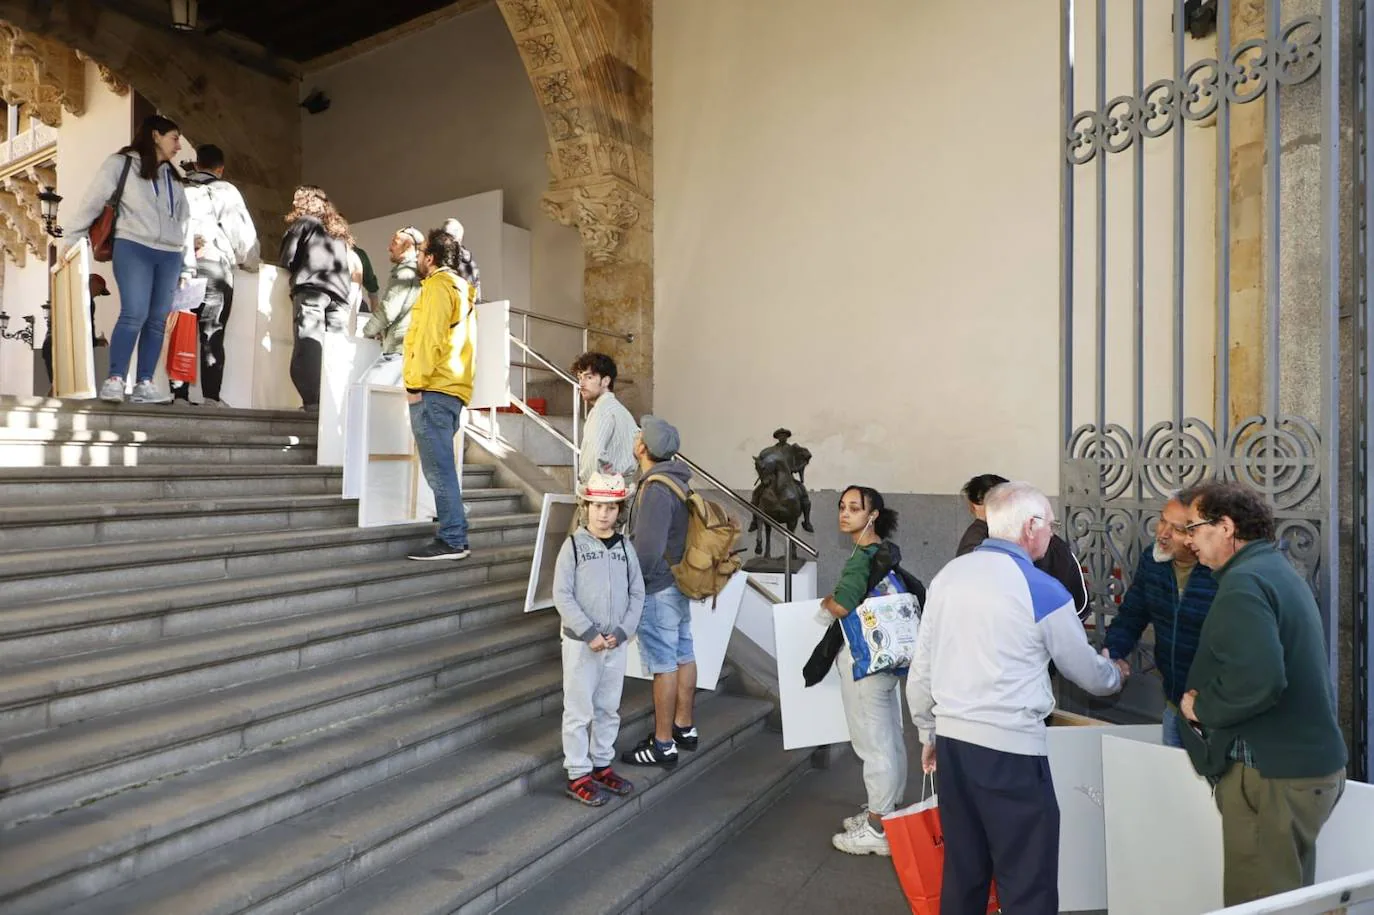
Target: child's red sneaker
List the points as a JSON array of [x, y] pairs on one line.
[[587, 791], [613, 783]]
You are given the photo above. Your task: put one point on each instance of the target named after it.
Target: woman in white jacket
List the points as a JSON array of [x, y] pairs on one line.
[[150, 241]]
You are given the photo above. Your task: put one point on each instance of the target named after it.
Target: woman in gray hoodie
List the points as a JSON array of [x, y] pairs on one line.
[[150, 243]]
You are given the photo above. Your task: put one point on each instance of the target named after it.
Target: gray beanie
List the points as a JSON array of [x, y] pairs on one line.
[[659, 437]]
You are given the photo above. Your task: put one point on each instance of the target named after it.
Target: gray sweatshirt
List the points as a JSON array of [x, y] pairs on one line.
[[598, 591], [152, 213]]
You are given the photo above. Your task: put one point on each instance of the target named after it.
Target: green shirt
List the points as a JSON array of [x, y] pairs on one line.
[[1261, 670], [852, 587]]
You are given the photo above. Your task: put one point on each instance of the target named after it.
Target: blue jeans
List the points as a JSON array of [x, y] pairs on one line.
[[434, 423], [665, 631], [1172, 722], [147, 279]]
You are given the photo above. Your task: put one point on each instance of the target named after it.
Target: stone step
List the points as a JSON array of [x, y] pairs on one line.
[[452, 804], [35, 575], [82, 525], [73, 855], [50, 771], [655, 851], [520, 842], [44, 448], [53, 629], [52, 693], [90, 415], [85, 485]]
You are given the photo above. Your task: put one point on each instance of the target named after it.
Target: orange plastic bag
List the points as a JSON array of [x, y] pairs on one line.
[[181, 347], [918, 854]]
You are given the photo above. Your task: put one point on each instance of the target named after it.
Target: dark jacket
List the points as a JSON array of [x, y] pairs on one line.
[[658, 525], [1058, 561], [1261, 673], [316, 260], [886, 558], [1153, 599]]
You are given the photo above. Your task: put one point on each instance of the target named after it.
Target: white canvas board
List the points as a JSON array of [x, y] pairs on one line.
[[482, 216], [258, 342], [811, 716], [393, 489], [491, 352], [711, 628], [555, 525], [1075, 755], [1343, 846], [384, 372], [1160, 819], [344, 361], [755, 618], [73, 356]]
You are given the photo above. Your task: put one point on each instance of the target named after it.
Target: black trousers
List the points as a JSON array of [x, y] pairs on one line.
[[1000, 820], [213, 317], [315, 314]]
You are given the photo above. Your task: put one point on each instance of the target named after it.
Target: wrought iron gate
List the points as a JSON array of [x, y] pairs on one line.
[[1156, 414]]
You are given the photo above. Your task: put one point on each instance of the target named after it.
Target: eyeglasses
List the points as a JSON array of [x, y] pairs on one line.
[[1189, 528], [1054, 526]]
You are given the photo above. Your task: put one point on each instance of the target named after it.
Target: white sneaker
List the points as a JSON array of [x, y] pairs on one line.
[[862, 840], [112, 391], [147, 392], [849, 824]]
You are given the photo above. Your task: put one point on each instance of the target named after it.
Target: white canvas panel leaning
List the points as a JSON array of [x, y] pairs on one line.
[[555, 525], [491, 357], [756, 611], [73, 356], [711, 629], [344, 360], [393, 489], [1075, 755], [811, 716]]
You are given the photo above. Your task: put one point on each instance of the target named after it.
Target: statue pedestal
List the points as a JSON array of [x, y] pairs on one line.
[[755, 618]]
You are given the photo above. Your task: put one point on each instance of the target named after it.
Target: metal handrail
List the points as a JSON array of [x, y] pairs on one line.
[[750, 507], [563, 322]]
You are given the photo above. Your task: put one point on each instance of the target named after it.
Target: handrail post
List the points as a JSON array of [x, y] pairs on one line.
[[524, 367], [787, 572]]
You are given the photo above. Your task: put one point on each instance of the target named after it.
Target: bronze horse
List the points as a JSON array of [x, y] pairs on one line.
[[778, 495]]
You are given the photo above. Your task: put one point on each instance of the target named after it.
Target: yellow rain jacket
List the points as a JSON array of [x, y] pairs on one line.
[[439, 342]]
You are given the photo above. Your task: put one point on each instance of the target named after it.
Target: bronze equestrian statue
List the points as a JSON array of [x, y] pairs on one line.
[[781, 491]]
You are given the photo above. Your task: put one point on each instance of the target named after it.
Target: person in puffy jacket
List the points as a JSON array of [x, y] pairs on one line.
[[598, 588], [149, 244], [314, 252]]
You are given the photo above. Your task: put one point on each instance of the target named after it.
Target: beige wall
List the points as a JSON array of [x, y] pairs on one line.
[[445, 113], [857, 216]]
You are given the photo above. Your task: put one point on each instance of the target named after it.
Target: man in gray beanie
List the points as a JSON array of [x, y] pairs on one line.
[[658, 531]]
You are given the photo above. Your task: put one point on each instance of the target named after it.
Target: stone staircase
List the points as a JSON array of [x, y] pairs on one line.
[[219, 695]]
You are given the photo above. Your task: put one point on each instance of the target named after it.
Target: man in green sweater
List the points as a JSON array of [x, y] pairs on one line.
[[1260, 699]]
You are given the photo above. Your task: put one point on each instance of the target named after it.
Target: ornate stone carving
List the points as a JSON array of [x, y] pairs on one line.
[[541, 51], [565, 124], [12, 244], [556, 89], [25, 227], [559, 208], [574, 160], [604, 214], [111, 79], [41, 73], [527, 14], [613, 157]]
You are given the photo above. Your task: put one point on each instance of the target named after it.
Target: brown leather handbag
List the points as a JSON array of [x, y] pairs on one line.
[[103, 229]]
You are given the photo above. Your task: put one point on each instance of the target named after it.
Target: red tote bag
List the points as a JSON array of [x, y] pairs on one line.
[[918, 853], [181, 348]]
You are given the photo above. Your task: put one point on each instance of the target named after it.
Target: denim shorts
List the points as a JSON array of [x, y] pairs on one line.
[[665, 631]]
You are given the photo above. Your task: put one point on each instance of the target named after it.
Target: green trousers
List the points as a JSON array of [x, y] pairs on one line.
[[1269, 830]]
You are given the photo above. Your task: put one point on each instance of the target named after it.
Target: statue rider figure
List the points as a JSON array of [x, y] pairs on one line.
[[794, 458]]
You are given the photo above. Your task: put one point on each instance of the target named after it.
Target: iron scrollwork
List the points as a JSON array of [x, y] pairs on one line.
[[1247, 72]]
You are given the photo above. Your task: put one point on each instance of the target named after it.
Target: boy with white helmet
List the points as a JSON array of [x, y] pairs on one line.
[[598, 589]]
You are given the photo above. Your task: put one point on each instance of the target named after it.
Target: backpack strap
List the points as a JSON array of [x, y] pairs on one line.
[[118, 194]]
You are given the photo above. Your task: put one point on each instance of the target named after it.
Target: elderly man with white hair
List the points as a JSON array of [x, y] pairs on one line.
[[979, 692]]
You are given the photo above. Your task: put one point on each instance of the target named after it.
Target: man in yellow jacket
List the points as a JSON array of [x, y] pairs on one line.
[[438, 370]]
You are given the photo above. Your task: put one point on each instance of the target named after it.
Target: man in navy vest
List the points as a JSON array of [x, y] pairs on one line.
[[1172, 592]]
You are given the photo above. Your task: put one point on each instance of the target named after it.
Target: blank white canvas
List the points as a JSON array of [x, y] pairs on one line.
[[756, 611], [344, 361], [1163, 832], [1345, 846], [711, 628], [1075, 755], [387, 485], [555, 525], [811, 716], [491, 356]]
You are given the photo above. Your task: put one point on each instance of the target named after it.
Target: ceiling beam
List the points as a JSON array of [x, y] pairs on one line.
[[382, 39]]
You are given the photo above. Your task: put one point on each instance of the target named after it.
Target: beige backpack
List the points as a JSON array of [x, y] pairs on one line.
[[708, 555]]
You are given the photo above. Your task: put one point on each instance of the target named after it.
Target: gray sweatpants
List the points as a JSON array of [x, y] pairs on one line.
[[592, 684], [873, 711]]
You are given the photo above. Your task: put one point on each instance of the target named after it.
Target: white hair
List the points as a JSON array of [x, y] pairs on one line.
[[455, 228], [1010, 505]]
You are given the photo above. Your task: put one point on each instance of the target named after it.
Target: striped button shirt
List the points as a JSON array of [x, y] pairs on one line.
[[608, 442]]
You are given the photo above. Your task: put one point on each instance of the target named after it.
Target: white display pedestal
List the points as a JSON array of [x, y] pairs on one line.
[[755, 619]]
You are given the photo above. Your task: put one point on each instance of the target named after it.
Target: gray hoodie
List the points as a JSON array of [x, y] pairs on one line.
[[152, 213], [598, 591], [658, 526]]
